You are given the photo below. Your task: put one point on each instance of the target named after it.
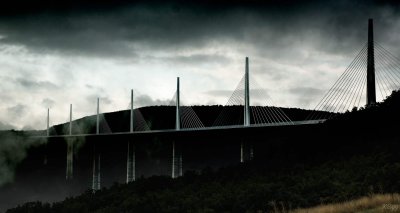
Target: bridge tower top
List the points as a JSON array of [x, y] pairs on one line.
[[131, 115], [246, 95], [48, 122], [98, 117], [178, 116], [371, 92]]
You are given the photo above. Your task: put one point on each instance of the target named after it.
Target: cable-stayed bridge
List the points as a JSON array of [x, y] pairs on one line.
[[369, 78]]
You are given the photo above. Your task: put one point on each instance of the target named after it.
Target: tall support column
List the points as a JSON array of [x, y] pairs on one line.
[[70, 149], [96, 181], [180, 164], [246, 105], [48, 122], [371, 92], [173, 175], [246, 95], [131, 163], [246, 150], [98, 117], [131, 158], [70, 159], [96, 171], [241, 152], [131, 117], [177, 162]]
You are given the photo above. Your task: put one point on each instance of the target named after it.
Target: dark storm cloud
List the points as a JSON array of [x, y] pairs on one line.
[[198, 59], [47, 102], [219, 93], [258, 93], [117, 28], [306, 95], [306, 91], [102, 99], [17, 110], [145, 100], [34, 85]]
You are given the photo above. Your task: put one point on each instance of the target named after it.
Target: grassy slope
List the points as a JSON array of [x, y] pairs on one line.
[[377, 203]]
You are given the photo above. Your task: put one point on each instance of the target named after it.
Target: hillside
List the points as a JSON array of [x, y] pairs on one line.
[[350, 156], [374, 203], [163, 117]]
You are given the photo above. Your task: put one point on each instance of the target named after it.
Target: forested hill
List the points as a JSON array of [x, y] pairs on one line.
[[163, 117], [352, 155], [382, 113]]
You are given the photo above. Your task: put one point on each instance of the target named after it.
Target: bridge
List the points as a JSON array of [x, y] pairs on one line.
[[357, 85]]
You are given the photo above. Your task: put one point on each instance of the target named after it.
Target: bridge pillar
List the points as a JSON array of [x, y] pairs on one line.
[[70, 159], [131, 158], [371, 92], [180, 163], [131, 163], [96, 181], [70, 149], [177, 163], [246, 151], [246, 107], [246, 95], [241, 152], [173, 175]]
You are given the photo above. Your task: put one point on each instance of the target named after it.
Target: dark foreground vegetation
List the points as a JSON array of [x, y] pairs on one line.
[[353, 155]]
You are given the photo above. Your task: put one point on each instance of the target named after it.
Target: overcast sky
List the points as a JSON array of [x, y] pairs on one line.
[[53, 54]]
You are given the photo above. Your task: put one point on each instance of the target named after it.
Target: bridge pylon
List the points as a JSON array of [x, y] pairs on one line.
[[178, 113], [70, 119], [246, 95], [70, 159], [131, 116], [246, 106], [131, 163], [131, 157], [70, 149], [96, 180], [371, 91], [177, 161], [48, 122], [98, 117]]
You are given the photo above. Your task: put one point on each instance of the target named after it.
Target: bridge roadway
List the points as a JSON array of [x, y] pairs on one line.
[[293, 123]]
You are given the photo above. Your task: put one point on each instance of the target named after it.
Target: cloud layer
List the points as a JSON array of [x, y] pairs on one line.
[[53, 55]]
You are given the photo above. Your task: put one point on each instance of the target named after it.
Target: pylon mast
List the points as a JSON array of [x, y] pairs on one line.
[[48, 122], [98, 117], [178, 120], [246, 95], [371, 92], [131, 118], [70, 119]]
